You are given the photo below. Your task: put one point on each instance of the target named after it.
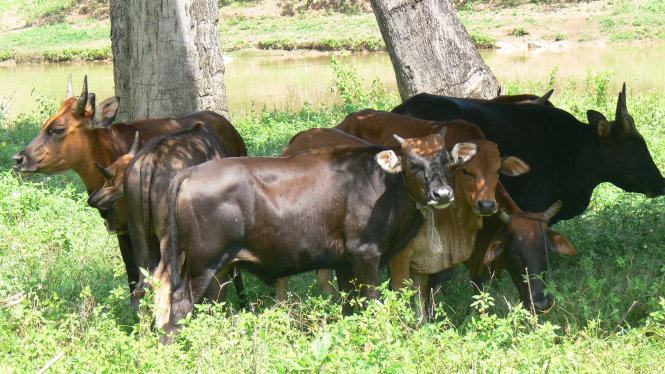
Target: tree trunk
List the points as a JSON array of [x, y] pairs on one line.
[[431, 50], [167, 58]]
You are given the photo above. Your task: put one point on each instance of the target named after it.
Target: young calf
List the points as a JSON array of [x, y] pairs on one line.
[[345, 208]]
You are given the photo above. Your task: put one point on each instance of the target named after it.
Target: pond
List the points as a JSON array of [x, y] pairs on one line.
[[289, 81]]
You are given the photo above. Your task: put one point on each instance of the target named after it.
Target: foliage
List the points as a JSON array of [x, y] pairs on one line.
[[519, 31], [62, 288], [293, 7]]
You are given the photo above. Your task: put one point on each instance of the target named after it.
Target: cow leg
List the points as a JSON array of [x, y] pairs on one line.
[[399, 269], [280, 288], [346, 286], [420, 281], [217, 288], [325, 277], [132, 269], [365, 261], [240, 287], [193, 286]]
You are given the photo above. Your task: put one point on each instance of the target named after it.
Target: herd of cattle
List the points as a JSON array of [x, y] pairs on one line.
[[436, 182]]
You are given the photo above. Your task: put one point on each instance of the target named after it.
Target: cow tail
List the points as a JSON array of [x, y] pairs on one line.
[[145, 195], [174, 240]]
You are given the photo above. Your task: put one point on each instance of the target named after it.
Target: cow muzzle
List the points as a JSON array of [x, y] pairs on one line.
[[23, 163], [441, 197], [544, 304], [486, 207]]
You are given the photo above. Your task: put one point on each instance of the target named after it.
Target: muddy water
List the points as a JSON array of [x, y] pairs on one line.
[[278, 82]]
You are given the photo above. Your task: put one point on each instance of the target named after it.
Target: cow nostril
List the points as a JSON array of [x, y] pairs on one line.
[[18, 159], [443, 193], [486, 206]]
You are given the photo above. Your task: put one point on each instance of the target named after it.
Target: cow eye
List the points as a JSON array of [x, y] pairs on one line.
[[466, 173], [56, 130]]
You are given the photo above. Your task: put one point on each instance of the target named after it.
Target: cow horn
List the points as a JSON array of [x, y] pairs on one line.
[[550, 212], [70, 87], [108, 175], [399, 139], [504, 217], [545, 98], [135, 145], [83, 99], [622, 117]]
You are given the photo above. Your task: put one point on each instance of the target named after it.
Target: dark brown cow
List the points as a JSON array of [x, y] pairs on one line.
[[304, 141], [346, 208], [374, 127], [79, 135]]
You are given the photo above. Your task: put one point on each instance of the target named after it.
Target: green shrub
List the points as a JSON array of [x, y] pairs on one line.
[[483, 40], [519, 31]]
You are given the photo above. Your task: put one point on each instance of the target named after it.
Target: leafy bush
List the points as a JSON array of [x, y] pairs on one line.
[[293, 7]]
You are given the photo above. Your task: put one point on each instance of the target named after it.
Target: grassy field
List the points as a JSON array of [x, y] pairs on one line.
[[62, 30], [62, 284]]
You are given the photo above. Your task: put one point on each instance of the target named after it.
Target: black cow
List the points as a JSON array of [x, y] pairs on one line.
[[568, 158], [345, 208]]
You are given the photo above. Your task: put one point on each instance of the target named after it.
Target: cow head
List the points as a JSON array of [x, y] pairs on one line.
[[109, 199], [65, 140], [426, 165], [624, 156], [525, 246], [476, 180]]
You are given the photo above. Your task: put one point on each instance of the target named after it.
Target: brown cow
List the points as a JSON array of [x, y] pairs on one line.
[[79, 135], [303, 141], [375, 127]]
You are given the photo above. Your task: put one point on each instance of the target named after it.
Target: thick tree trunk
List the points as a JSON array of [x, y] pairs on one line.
[[431, 50], [167, 58]]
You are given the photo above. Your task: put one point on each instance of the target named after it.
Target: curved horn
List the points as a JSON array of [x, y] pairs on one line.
[[108, 175], [545, 98], [83, 99], [553, 210], [399, 139], [504, 217], [135, 145], [70, 87]]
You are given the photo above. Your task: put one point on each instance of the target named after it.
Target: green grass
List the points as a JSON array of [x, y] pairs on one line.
[[62, 287], [58, 42]]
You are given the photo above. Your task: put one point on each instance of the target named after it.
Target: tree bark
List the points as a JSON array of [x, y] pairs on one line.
[[167, 58], [431, 50]]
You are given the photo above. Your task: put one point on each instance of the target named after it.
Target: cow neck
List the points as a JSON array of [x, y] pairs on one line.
[[579, 182], [102, 152], [446, 238], [505, 202]]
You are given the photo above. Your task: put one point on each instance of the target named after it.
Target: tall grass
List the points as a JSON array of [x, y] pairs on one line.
[[62, 283]]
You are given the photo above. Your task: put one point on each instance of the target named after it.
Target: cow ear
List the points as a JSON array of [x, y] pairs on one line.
[[389, 162], [602, 124], [513, 166], [561, 244], [106, 111], [463, 153], [494, 250]]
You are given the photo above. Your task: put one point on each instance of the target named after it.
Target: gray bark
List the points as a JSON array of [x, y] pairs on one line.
[[431, 50], [167, 58]]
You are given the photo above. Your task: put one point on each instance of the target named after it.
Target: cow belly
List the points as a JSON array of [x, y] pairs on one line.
[[446, 238]]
